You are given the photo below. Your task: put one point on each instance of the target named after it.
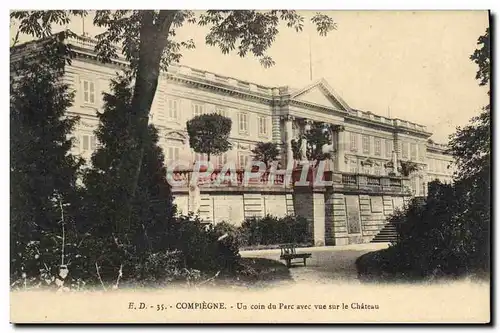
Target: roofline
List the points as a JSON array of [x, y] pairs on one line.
[[82, 43]]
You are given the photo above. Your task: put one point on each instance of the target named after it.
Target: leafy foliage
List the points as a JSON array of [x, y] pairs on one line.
[[481, 57], [436, 238], [273, 230], [266, 152], [248, 31], [201, 246], [152, 210], [43, 173], [317, 136], [209, 134], [408, 167]]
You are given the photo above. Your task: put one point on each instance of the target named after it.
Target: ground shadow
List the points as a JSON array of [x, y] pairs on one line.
[[259, 272], [376, 268]]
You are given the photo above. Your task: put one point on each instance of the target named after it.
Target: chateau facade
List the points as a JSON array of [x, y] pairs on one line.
[[364, 143]]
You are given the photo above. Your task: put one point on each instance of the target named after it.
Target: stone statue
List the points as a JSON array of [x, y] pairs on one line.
[[303, 149], [327, 148], [194, 198]]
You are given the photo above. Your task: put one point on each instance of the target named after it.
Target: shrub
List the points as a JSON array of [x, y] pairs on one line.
[[201, 247], [228, 245], [436, 238], [273, 230], [160, 269]]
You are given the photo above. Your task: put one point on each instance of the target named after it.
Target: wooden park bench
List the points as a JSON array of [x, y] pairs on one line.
[[288, 253]]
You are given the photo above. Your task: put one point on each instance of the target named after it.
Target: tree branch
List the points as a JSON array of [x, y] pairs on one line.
[[99, 276]]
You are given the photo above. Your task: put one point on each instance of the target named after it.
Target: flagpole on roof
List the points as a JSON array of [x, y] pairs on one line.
[[310, 58]]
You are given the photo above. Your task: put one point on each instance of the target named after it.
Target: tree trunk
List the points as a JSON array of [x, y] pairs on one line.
[[153, 41]]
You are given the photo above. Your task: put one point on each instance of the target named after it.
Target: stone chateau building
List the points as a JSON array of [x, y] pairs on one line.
[[354, 210]]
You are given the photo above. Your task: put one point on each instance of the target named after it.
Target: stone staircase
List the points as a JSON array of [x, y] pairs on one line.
[[388, 234]]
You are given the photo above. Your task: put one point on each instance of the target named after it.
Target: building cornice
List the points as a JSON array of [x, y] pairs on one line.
[[317, 107], [217, 87]]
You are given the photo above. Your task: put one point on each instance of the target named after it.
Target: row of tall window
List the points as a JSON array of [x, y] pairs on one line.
[[243, 119], [370, 145], [173, 110], [440, 166], [377, 146]]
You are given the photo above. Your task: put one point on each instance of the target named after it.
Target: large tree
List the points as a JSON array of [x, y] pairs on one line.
[[147, 39], [471, 147], [152, 209], [43, 173]]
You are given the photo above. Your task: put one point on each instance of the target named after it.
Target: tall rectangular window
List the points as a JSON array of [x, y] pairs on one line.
[[378, 146], [377, 171], [404, 150], [221, 111], [388, 148], [198, 109], [88, 91], [262, 126], [421, 152], [414, 185], [366, 144], [200, 157], [243, 160], [173, 108], [220, 160], [243, 122], [172, 154], [354, 141], [413, 151], [86, 143], [93, 142]]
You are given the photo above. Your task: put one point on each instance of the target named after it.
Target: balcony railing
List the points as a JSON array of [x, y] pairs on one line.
[[238, 178], [372, 183], [350, 182]]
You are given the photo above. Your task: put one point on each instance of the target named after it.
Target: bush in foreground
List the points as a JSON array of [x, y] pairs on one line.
[[436, 239]]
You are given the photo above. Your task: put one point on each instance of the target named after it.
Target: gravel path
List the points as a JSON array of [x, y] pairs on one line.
[[327, 264]]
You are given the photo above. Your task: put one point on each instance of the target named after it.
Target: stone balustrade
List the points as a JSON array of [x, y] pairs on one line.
[[239, 179], [359, 183], [242, 180]]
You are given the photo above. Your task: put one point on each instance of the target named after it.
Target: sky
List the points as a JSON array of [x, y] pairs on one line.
[[403, 64]]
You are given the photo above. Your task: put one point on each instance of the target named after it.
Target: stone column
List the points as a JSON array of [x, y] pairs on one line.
[[395, 162], [341, 148], [289, 136], [309, 203]]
